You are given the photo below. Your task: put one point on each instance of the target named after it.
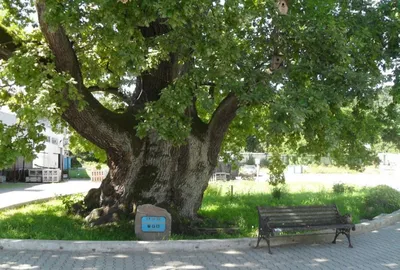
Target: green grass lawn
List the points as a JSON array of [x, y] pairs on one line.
[[241, 207], [16, 185], [49, 221], [78, 173]]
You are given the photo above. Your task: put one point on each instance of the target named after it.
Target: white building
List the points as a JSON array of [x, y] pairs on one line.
[[7, 118], [50, 157]]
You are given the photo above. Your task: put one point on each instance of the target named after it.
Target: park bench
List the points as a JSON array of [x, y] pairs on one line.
[[301, 219]]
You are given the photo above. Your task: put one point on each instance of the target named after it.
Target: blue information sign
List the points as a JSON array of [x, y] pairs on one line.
[[153, 224]]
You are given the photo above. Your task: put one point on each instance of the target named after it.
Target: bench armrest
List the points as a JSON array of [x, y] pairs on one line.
[[346, 219], [264, 225]]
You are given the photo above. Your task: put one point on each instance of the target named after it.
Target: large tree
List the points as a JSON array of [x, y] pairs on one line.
[[184, 75]]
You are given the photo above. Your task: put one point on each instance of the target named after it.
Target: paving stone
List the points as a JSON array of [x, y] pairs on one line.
[[373, 250]]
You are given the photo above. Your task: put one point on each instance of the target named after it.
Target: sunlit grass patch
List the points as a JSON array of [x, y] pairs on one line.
[[49, 220], [16, 185], [240, 207], [220, 208]]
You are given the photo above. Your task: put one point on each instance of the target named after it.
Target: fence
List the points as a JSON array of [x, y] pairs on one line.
[[98, 175], [219, 176]]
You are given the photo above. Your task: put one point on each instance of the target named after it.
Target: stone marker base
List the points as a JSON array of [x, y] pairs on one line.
[[145, 231]]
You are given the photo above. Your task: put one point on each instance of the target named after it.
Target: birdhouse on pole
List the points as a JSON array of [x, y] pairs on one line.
[[283, 7]]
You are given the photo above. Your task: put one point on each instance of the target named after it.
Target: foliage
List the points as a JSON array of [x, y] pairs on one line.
[[322, 96], [342, 188], [84, 149], [382, 199], [253, 145], [20, 139], [276, 168], [69, 200], [278, 191], [75, 162], [339, 188]]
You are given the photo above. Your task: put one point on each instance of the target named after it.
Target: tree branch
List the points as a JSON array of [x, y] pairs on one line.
[[199, 128], [157, 28], [219, 123], [7, 44], [150, 83], [94, 122], [60, 45]]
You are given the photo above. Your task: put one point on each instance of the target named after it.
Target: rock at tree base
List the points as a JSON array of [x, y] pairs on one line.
[[152, 223]]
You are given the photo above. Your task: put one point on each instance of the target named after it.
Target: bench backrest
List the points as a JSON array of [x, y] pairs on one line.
[[298, 216]]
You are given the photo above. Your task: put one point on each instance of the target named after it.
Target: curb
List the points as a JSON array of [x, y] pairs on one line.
[[378, 222]]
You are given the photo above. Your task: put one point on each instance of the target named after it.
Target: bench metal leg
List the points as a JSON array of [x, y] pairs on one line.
[[345, 232], [269, 245], [336, 235], [266, 239], [258, 241]]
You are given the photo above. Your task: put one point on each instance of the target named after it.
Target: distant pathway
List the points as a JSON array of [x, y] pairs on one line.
[[32, 192], [359, 179], [374, 250]]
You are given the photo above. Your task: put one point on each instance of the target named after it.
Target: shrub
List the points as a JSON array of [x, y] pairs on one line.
[[279, 191], [381, 199], [341, 188], [251, 160], [69, 201]]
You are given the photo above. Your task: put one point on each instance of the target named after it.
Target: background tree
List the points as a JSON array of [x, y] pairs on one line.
[[186, 74]]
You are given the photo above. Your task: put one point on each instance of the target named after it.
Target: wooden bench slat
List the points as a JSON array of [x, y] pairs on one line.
[[276, 219], [297, 213], [298, 224], [303, 210], [310, 221], [313, 228], [294, 215], [307, 207]]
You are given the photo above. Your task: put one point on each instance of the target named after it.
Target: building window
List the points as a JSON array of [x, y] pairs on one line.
[[54, 141], [48, 139]]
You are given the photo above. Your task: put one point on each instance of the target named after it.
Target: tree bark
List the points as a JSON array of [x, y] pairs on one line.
[[172, 177]]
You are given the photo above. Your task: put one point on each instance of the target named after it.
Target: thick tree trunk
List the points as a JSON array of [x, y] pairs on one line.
[[172, 177]]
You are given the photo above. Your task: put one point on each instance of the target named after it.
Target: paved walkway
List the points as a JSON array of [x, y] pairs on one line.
[[374, 250], [32, 192]]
